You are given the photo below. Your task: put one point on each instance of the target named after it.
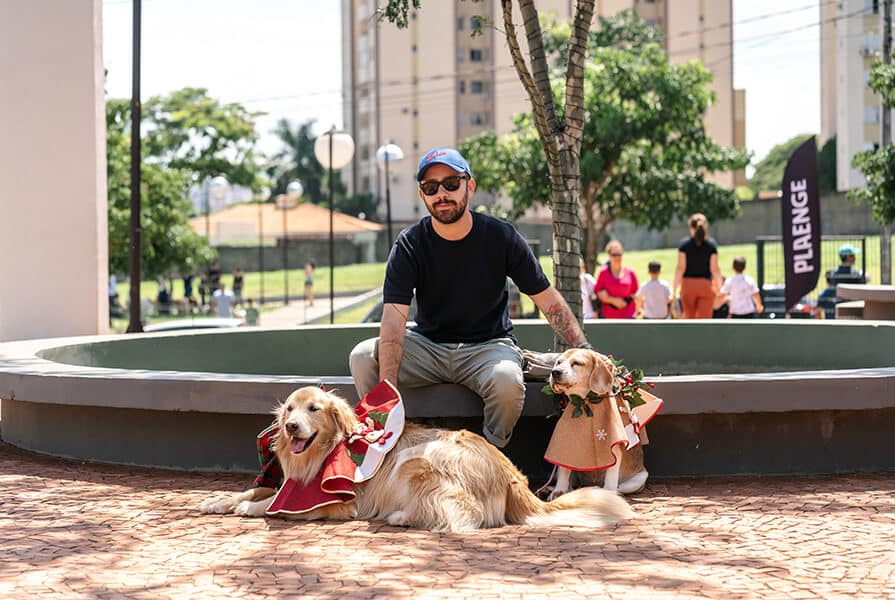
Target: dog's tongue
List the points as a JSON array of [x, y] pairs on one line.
[[297, 445]]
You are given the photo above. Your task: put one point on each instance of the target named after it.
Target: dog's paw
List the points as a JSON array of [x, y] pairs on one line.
[[247, 508], [216, 506], [398, 518], [556, 493], [635, 484]]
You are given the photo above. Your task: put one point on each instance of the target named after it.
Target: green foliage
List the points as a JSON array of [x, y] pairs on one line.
[[187, 137], [190, 131], [826, 167], [357, 204], [645, 150], [882, 81], [878, 165], [396, 11], [169, 244], [768, 173], [296, 160], [744, 193]]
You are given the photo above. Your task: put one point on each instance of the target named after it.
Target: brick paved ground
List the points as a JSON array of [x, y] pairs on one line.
[[83, 531]]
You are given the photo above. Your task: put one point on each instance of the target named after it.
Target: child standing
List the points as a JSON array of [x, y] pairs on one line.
[[745, 301], [654, 297]]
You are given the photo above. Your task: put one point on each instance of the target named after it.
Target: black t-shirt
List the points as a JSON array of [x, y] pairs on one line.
[[460, 285], [698, 257]]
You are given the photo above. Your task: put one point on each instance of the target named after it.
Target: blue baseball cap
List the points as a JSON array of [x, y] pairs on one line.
[[847, 250], [443, 156]]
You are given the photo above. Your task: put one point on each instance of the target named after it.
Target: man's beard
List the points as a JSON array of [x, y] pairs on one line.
[[452, 212]]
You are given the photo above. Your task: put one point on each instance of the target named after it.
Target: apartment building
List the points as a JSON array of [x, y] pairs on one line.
[[447, 77], [850, 40]]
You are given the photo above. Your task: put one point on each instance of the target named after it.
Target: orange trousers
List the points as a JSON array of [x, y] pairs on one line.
[[697, 297]]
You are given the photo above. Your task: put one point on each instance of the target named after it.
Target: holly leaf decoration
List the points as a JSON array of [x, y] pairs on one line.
[[378, 417], [357, 459]]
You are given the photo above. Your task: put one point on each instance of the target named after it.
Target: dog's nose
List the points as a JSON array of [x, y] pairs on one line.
[[556, 374], [291, 427]]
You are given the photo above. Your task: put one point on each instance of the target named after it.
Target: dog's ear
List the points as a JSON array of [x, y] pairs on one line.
[[602, 374], [342, 414]]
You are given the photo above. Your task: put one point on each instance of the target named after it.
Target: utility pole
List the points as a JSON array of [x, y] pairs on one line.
[[885, 242]]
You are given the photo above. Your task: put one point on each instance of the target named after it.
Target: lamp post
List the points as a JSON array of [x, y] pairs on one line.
[[265, 193], [285, 202], [385, 154], [135, 229], [333, 150]]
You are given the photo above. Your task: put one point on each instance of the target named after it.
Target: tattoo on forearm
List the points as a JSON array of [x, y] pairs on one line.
[[563, 323]]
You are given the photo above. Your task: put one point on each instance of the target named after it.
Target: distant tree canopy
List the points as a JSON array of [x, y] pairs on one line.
[[768, 175], [645, 151], [187, 138]]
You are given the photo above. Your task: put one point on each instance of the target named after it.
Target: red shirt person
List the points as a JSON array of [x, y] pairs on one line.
[[616, 285]]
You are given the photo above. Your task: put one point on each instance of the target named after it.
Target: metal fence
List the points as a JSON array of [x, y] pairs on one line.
[[770, 271]]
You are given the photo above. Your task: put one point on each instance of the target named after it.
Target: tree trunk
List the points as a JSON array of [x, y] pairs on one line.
[[567, 234], [561, 139]]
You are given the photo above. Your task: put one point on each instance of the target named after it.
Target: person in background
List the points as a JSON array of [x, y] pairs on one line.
[[654, 297], [745, 301], [203, 292], [846, 272], [251, 313], [309, 283], [237, 286], [214, 275], [588, 295], [222, 300], [721, 306], [188, 299], [616, 285], [697, 277]]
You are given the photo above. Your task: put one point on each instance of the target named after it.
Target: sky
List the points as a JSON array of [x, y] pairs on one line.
[[283, 57]]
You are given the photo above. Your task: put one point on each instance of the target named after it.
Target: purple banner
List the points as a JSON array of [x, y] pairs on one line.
[[800, 222]]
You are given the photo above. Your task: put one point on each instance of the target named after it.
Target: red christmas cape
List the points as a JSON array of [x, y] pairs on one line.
[[380, 416]]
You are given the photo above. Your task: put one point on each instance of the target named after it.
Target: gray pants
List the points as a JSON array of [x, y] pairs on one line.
[[491, 369]]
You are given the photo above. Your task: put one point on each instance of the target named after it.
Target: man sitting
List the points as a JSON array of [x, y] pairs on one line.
[[455, 263]]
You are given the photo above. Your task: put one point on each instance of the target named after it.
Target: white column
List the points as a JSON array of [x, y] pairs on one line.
[[53, 204]]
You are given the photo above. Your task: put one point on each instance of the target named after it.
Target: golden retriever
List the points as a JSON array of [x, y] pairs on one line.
[[433, 479], [579, 372]]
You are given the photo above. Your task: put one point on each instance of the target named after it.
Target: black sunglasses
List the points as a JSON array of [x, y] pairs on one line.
[[450, 184]]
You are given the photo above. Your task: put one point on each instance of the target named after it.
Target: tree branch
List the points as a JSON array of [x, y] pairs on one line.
[[539, 108], [574, 109]]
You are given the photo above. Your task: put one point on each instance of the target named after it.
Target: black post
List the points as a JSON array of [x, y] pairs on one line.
[[332, 262], [388, 202], [759, 266], [261, 249], [136, 233], [885, 240], [285, 252]]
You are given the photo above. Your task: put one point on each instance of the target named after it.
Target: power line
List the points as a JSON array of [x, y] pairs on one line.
[[445, 76]]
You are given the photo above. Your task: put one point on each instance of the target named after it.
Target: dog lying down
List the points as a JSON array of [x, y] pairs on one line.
[[433, 479]]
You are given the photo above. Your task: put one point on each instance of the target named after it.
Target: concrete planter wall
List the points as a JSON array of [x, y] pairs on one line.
[[760, 397]]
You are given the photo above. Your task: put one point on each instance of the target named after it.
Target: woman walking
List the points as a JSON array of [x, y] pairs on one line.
[[697, 278]]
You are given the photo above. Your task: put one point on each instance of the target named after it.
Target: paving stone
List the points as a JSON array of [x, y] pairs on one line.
[[69, 529]]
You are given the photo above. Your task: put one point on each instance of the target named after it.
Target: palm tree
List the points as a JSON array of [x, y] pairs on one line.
[[296, 161]]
